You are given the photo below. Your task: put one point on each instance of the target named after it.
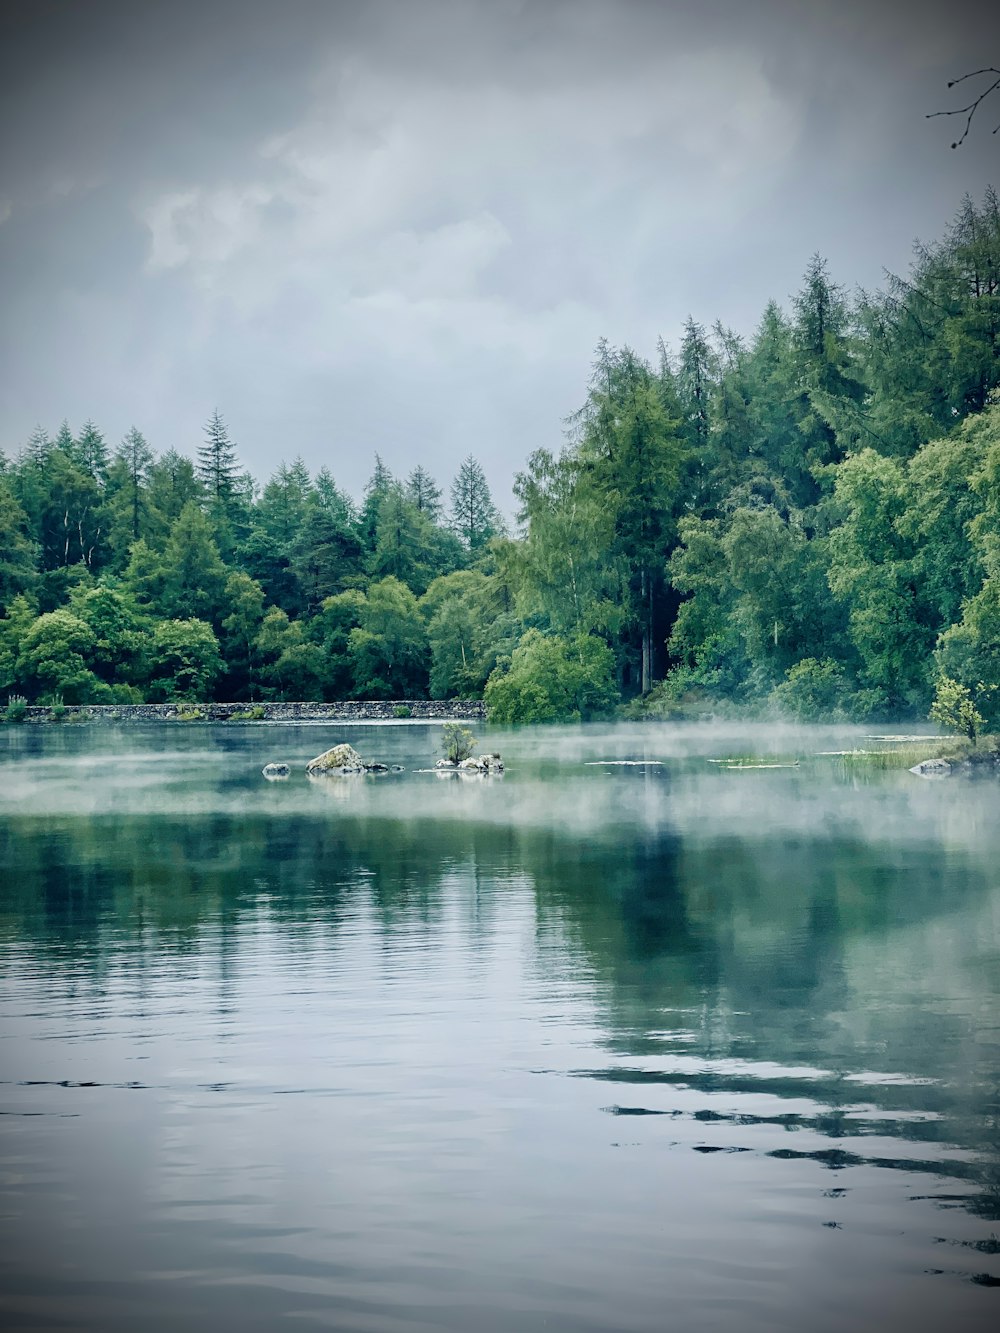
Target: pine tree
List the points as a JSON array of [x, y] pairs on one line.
[[136, 458], [473, 514], [377, 488], [38, 450], [64, 440], [92, 451], [424, 492], [217, 466]]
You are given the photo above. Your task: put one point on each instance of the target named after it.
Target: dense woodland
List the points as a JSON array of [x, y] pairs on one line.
[[807, 519]]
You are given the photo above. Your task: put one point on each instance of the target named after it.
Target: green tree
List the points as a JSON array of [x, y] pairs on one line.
[[126, 486], [470, 628], [120, 633], [424, 493], [194, 585], [473, 514], [630, 453], [171, 484], [388, 649], [184, 661], [218, 470], [955, 708], [18, 553], [245, 599], [51, 661], [553, 679], [290, 666], [92, 452]]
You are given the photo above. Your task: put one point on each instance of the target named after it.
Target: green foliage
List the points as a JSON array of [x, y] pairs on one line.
[[553, 679], [457, 742], [813, 691], [17, 708], [401, 711], [254, 714], [469, 629], [473, 514], [185, 660], [955, 708], [388, 648], [53, 658], [190, 715]]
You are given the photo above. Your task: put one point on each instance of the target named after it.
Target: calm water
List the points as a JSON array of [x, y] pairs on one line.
[[591, 1046]]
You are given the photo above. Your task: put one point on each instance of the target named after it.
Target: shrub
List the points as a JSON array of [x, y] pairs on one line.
[[457, 742], [17, 707], [401, 711]]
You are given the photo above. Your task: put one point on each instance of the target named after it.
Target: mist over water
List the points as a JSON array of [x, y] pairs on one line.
[[595, 1045]]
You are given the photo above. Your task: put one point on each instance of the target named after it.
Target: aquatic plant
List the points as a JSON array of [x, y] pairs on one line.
[[17, 707]]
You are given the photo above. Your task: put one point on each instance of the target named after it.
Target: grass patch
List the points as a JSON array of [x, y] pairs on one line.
[[252, 714]]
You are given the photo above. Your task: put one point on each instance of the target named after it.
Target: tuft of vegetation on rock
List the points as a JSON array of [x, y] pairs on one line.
[[457, 742]]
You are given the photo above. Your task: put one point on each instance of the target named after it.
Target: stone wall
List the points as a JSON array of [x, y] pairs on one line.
[[352, 710]]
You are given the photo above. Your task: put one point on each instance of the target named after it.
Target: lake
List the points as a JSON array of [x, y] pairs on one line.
[[593, 1045]]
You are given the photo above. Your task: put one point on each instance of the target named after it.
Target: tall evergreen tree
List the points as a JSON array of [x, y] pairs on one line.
[[474, 516], [631, 453], [217, 466], [424, 492], [92, 451], [134, 459]]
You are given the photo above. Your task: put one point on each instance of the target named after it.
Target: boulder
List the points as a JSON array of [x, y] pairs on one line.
[[338, 759], [273, 771], [932, 768]]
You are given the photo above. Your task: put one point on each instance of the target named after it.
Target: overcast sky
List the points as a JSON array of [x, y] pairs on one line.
[[403, 226]]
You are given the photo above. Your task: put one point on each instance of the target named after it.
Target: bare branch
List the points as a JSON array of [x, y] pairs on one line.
[[969, 111]]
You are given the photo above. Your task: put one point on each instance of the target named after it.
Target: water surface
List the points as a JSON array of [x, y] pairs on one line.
[[595, 1045]]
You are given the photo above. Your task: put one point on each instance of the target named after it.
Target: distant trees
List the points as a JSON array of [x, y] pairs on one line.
[[803, 518]]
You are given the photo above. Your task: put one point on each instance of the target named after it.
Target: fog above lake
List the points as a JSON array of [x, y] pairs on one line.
[[595, 780]]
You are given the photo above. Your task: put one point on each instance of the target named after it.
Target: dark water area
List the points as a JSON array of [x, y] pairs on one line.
[[589, 1046]]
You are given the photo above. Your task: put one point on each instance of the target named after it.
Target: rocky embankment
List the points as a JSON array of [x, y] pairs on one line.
[[353, 710]]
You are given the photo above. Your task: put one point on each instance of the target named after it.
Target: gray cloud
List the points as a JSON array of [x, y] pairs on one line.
[[404, 226]]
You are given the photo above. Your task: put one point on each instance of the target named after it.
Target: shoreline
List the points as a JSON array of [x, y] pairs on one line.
[[348, 710]]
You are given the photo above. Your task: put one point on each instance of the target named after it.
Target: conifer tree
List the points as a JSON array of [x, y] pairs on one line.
[[135, 459], [217, 466], [92, 451], [424, 493], [473, 515]]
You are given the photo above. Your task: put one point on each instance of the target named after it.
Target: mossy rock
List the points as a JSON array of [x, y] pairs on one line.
[[338, 759]]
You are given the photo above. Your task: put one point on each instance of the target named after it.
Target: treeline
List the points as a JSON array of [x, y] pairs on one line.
[[807, 518]]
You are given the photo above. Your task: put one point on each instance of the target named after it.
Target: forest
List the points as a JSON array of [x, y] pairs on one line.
[[803, 521]]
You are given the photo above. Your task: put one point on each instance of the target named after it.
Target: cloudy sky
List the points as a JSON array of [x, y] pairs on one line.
[[402, 225]]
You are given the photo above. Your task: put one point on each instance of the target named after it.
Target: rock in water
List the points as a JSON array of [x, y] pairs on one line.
[[338, 759], [276, 770], [932, 768]]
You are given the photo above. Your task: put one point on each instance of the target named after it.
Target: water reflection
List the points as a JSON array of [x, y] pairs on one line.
[[543, 1051]]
